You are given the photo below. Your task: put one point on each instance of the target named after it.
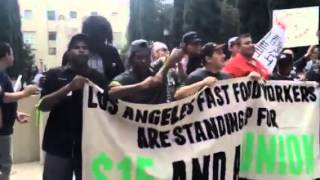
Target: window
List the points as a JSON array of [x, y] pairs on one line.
[[51, 15], [61, 17], [94, 13], [52, 36], [114, 13], [27, 14], [29, 38], [52, 51], [73, 14]]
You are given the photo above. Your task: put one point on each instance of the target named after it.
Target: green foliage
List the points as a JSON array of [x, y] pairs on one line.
[[254, 18], [10, 31], [177, 22], [230, 21], [203, 16], [148, 19], [214, 20]]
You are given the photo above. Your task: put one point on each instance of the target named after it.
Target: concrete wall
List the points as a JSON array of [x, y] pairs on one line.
[[26, 146]]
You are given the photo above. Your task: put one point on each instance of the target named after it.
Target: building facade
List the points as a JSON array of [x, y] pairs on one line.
[[48, 25]]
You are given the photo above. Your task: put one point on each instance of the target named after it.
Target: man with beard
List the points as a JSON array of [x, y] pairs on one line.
[[62, 95], [213, 61], [243, 63]]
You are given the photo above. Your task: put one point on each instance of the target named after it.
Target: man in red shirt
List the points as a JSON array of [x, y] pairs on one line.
[[243, 63]]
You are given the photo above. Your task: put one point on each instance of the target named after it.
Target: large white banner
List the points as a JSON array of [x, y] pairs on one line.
[[302, 25], [238, 128]]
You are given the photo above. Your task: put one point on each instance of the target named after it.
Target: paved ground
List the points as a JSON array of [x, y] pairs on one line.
[[29, 171]]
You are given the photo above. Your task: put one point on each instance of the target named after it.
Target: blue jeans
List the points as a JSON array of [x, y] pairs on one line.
[[59, 168], [5, 157]]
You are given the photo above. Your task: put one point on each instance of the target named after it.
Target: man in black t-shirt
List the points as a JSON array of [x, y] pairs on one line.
[[213, 60], [140, 83], [62, 95], [9, 113]]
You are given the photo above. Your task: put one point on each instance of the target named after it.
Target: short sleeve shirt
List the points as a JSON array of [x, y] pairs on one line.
[[9, 110], [202, 73], [148, 96], [64, 127], [239, 66]]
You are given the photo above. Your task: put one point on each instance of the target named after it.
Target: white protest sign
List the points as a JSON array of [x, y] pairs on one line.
[[270, 46], [275, 125], [18, 84], [302, 25]]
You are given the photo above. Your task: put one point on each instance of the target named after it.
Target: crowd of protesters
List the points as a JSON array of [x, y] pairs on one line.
[[153, 75]]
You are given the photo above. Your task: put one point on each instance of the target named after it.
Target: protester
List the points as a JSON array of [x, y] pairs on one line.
[[233, 47], [191, 43], [284, 68], [9, 109], [305, 63], [243, 63], [140, 84], [175, 75], [159, 51], [213, 60], [103, 56], [314, 73], [62, 95]]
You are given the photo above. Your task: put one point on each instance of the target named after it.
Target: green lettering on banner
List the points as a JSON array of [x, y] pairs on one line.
[[266, 154], [247, 152], [125, 167], [103, 163], [294, 155], [308, 142], [282, 157], [283, 154], [142, 164]]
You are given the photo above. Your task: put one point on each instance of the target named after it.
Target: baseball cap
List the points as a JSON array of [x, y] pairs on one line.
[[284, 59], [139, 45], [210, 47], [191, 37], [232, 41]]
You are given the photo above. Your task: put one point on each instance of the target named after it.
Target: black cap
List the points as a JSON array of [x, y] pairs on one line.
[[76, 38], [140, 45], [191, 37], [284, 60], [209, 48]]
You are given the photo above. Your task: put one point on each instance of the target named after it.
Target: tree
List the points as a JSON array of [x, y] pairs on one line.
[[254, 18], [145, 20], [177, 22], [230, 21], [287, 4], [28, 61], [203, 16], [10, 31], [134, 31]]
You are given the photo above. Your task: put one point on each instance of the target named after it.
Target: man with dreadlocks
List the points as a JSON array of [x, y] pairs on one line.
[[103, 56]]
